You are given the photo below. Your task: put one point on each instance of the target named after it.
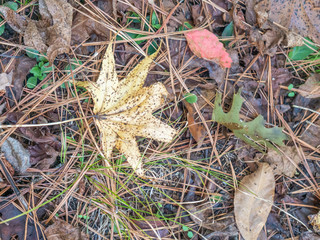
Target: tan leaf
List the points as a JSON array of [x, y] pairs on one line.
[[62, 230], [311, 88], [314, 220], [16, 154], [125, 108], [5, 80], [51, 34], [283, 163], [253, 201], [197, 130]]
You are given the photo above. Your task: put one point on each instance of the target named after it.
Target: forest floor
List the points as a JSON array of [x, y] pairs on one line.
[[220, 177]]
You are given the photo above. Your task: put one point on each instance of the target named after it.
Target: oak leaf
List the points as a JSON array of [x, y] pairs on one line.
[[252, 132], [124, 109]]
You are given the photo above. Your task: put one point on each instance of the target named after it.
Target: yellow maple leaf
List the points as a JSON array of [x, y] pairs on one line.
[[124, 109]]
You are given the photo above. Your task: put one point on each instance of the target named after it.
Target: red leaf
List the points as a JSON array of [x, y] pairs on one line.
[[205, 44]]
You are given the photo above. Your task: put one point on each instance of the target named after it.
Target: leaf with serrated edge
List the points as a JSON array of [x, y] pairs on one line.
[[253, 201], [125, 108]]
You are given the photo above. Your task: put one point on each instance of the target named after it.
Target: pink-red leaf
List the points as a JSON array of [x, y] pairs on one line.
[[205, 44]]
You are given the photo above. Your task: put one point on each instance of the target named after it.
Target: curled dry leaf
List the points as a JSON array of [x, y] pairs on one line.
[[20, 69], [283, 163], [197, 130], [268, 42], [51, 34], [44, 153], [217, 12], [125, 109], [205, 44], [62, 230], [85, 26], [16, 154], [250, 13], [253, 201], [314, 220], [311, 88]]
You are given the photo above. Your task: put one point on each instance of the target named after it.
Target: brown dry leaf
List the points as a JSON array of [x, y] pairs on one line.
[[314, 220], [43, 155], [253, 201], [238, 18], [8, 166], [46, 149], [152, 227], [217, 9], [283, 163], [311, 88], [20, 69], [85, 26], [279, 76], [62, 230], [5, 80], [268, 42], [299, 16], [18, 228], [224, 228], [125, 109], [311, 134], [250, 13], [51, 34], [306, 236], [16, 154], [202, 214], [197, 130]]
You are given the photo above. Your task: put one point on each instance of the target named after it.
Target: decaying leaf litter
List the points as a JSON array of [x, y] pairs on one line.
[[133, 127]]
